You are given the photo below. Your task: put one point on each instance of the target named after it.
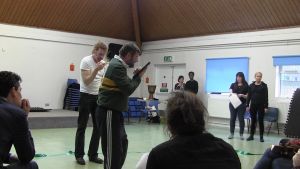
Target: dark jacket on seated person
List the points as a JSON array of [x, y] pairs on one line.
[[14, 130], [194, 151]]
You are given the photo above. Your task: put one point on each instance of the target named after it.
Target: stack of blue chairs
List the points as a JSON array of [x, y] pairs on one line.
[[135, 108], [131, 103], [72, 96]]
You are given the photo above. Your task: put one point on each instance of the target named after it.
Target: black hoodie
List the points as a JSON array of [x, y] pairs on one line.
[[258, 94]]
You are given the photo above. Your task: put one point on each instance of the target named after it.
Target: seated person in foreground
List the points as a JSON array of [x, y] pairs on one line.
[[190, 146], [13, 124], [277, 160]]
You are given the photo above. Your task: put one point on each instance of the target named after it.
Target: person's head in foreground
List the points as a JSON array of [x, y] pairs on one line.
[[190, 146], [185, 114], [10, 87]]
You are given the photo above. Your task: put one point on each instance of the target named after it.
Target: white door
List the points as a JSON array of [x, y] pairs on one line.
[[179, 70], [167, 74]]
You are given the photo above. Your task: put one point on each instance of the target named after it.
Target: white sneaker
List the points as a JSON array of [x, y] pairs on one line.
[[231, 136], [241, 137]]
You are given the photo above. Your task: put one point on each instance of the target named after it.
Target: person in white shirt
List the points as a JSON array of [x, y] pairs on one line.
[[90, 79]]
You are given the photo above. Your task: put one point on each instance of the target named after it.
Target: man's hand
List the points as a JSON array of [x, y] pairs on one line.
[[136, 70], [26, 106], [88, 76], [100, 65], [142, 73]]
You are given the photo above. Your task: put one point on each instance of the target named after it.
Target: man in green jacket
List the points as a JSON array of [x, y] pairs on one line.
[[112, 101]]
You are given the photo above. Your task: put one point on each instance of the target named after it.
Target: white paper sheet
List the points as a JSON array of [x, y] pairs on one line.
[[234, 100]]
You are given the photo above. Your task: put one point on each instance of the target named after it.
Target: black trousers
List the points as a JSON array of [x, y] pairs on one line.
[[260, 110], [114, 140], [87, 106]]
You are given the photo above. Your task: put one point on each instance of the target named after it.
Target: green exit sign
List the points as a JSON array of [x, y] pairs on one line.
[[168, 58]]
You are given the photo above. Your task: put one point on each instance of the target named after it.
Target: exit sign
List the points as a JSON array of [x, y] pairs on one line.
[[168, 58]]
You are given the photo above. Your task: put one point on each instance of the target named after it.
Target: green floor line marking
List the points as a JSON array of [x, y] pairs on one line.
[[72, 152], [245, 152]]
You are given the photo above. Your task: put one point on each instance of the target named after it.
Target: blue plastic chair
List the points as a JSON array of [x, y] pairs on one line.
[[149, 112], [135, 106], [272, 116], [154, 103], [72, 96], [247, 117], [70, 81]]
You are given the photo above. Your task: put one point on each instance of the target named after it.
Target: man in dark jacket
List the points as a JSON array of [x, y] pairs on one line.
[[112, 101], [13, 124], [192, 85]]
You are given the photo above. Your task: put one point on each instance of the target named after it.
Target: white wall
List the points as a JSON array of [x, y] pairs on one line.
[[157, 59], [42, 58], [259, 46]]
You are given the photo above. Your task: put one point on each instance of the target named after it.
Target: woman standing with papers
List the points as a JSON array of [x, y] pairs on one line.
[[240, 88], [258, 95]]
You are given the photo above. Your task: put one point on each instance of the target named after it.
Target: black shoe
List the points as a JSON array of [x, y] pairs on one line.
[[250, 138], [262, 138], [96, 160], [80, 161]]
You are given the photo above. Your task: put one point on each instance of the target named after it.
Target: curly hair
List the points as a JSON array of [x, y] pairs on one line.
[[129, 48], [8, 80], [99, 45], [185, 114]]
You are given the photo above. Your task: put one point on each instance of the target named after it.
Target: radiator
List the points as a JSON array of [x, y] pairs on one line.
[[218, 108], [283, 108]]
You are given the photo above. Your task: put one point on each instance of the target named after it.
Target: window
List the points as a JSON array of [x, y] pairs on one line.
[[221, 72], [289, 80], [287, 75]]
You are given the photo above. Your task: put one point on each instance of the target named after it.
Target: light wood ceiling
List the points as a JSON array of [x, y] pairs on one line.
[[149, 20]]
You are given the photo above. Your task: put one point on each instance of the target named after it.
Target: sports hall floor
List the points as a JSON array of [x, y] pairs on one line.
[[142, 137]]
